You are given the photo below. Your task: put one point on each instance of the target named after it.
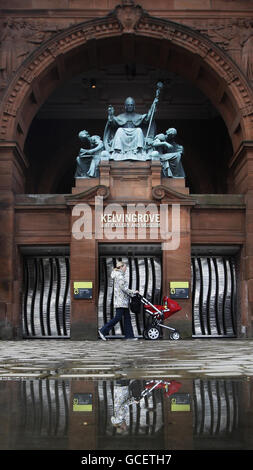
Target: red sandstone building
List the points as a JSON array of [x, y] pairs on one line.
[[61, 65]]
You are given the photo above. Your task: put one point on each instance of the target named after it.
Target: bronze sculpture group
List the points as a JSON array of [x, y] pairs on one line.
[[130, 136]]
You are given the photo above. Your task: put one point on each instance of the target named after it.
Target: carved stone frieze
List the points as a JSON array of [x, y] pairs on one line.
[[41, 43], [235, 36], [18, 38]]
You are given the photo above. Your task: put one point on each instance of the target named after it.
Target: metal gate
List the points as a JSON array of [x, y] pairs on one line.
[[44, 409], [144, 273], [46, 295], [216, 407], [214, 309]]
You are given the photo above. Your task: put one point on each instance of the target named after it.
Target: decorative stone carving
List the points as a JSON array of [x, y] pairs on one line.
[[109, 26], [129, 143], [13, 49], [125, 135], [247, 56], [161, 192], [18, 38], [235, 36], [128, 16], [169, 153], [89, 194], [89, 158]]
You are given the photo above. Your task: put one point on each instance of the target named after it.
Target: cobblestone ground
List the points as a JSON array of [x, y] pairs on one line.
[[130, 359]]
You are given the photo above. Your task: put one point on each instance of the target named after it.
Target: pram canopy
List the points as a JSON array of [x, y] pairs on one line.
[[168, 308]]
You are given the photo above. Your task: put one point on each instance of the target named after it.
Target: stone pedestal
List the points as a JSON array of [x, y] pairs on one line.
[[130, 180]]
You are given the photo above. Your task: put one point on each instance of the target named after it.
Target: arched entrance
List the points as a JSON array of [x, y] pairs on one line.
[[127, 35]]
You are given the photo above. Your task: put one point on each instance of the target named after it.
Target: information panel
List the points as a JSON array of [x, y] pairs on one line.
[[82, 290], [181, 402], [179, 290], [82, 402]]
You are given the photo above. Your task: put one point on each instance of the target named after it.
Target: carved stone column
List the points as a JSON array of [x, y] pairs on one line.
[[242, 169], [177, 252], [84, 258]]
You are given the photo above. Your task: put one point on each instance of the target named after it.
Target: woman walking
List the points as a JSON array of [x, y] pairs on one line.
[[121, 303]]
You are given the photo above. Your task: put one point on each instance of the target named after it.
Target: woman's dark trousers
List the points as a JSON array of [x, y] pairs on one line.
[[121, 312]]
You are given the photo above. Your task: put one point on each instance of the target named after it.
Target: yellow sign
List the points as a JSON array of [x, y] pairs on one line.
[[179, 289], [175, 407], [77, 407], [82, 289], [179, 285], [82, 285]]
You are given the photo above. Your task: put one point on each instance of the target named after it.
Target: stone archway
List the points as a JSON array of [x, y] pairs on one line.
[[128, 31]]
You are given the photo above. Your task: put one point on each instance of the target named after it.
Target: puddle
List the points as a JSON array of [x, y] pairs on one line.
[[78, 414]]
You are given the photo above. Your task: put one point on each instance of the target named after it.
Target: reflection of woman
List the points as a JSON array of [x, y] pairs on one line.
[[121, 399], [121, 303], [128, 393]]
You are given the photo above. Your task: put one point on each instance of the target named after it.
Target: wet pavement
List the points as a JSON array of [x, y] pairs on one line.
[[126, 359], [78, 414], [138, 395]]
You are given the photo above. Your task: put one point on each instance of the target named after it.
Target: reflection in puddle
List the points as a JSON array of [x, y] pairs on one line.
[[133, 409], [216, 407], [126, 414]]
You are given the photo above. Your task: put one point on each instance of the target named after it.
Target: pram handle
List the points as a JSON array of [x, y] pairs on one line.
[[146, 301]]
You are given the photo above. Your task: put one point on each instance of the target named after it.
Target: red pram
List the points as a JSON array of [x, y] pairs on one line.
[[158, 314], [169, 387]]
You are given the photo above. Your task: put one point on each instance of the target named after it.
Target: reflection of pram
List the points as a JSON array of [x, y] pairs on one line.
[[158, 314], [169, 387], [128, 394]]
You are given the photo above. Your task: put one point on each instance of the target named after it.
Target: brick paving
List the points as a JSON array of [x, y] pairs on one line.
[[130, 359]]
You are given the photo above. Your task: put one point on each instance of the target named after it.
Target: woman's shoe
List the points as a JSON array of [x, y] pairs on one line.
[[102, 336]]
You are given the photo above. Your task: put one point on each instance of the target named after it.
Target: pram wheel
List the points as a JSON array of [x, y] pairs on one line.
[[152, 333], [145, 334], [175, 335]]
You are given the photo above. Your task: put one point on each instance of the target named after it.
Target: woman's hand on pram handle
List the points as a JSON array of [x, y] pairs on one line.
[[133, 293]]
